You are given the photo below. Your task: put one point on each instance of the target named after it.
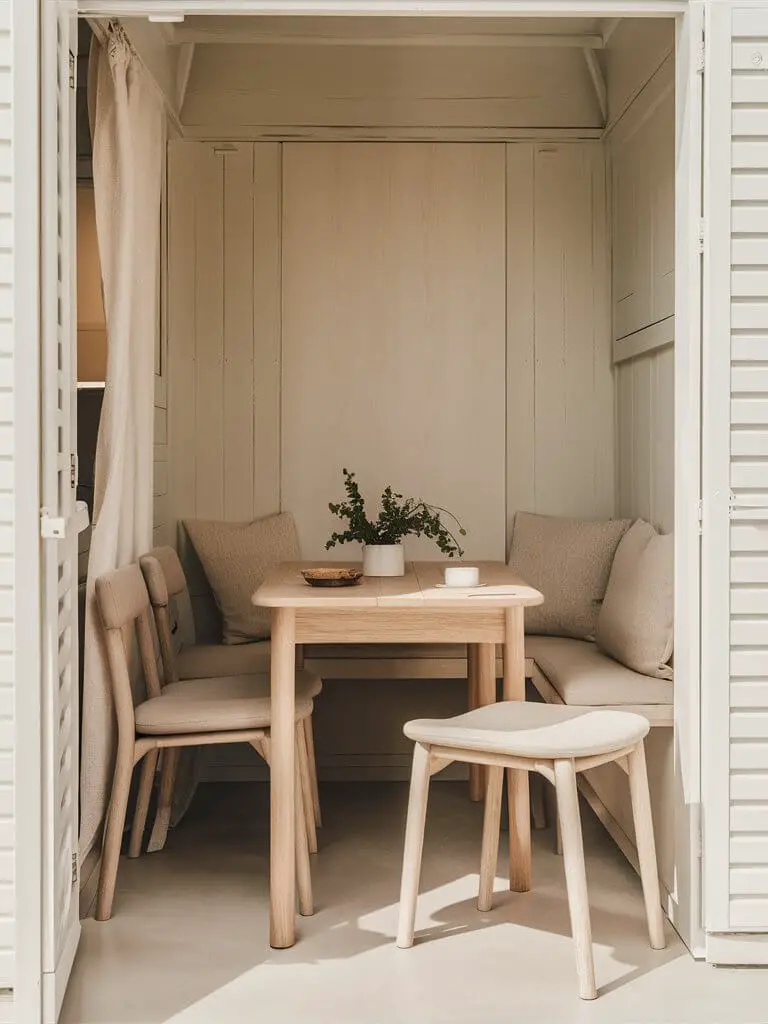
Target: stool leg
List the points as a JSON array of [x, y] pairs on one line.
[[575, 875], [538, 806], [646, 847], [491, 828], [476, 776], [414, 844]]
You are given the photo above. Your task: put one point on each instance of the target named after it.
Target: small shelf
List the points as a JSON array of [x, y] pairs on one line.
[[91, 385]]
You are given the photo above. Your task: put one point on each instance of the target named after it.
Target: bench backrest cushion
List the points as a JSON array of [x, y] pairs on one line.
[[569, 561], [636, 621], [236, 557]]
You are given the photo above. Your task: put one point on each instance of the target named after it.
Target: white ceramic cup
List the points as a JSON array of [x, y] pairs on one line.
[[462, 576]]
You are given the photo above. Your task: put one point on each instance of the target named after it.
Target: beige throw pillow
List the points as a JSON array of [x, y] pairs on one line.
[[569, 561], [236, 557], [636, 624]]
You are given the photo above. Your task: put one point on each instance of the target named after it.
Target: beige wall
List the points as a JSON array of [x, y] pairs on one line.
[[544, 361]]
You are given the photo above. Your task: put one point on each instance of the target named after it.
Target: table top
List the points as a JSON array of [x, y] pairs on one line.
[[284, 587]]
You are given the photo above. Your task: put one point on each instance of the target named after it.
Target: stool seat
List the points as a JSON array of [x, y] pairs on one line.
[[558, 742], [523, 729]]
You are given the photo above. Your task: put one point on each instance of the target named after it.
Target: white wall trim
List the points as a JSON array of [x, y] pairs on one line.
[[735, 949], [27, 343], [649, 339], [716, 399], [392, 8]]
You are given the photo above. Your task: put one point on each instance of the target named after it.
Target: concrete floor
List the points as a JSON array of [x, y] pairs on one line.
[[188, 941]]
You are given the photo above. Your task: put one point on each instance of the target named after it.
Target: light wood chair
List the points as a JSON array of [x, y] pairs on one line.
[[166, 581], [179, 715], [557, 742]]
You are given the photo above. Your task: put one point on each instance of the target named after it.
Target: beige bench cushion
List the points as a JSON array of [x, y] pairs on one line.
[[524, 729], [236, 557], [203, 660], [212, 705], [581, 674]]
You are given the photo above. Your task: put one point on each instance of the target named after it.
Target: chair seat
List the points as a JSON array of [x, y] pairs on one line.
[[212, 705], [523, 729], [202, 661], [583, 675]]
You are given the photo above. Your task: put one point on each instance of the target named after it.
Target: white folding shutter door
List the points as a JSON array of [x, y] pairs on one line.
[[735, 470], [61, 926]]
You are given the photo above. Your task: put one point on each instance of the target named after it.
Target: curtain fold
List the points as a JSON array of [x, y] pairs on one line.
[[128, 125]]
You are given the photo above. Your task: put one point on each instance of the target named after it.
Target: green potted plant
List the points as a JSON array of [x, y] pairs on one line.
[[382, 538]]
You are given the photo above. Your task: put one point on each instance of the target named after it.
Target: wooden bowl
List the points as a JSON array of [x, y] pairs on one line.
[[332, 577]]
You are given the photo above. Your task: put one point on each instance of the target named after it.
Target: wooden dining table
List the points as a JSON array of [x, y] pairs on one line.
[[415, 608]]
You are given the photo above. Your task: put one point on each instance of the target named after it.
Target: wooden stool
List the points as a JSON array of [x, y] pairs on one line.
[[556, 742]]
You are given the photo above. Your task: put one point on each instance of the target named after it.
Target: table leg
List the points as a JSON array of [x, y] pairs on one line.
[[476, 787], [517, 781], [282, 777]]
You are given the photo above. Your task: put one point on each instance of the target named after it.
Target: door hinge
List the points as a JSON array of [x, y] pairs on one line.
[[73, 474], [700, 514], [72, 71], [701, 58], [700, 236], [74, 867]]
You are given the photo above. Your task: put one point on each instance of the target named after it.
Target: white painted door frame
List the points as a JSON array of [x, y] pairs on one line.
[[27, 142]]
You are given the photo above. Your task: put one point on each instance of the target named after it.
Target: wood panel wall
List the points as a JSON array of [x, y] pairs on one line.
[[544, 212], [393, 333], [641, 149]]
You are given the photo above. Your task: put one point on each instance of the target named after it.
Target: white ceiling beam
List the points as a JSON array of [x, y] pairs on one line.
[[510, 40], [183, 70], [598, 81]]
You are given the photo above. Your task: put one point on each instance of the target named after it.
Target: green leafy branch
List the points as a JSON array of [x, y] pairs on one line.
[[399, 517]]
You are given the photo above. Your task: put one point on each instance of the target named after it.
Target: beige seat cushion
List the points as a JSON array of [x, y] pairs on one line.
[[582, 674], [524, 729], [236, 557], [212, 705], [636, 621], [569, 561]]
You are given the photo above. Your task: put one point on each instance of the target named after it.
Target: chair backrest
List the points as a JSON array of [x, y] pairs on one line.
[[166, 581], [124, 605]]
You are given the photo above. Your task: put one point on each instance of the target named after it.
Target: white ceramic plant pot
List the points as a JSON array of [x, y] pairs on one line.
[[383, 560]]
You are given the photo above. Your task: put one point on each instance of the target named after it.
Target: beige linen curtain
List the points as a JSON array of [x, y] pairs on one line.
[[128, 127]]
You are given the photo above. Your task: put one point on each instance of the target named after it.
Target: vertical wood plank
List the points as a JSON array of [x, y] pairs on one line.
[[209, 342], [267, 301], [238, 333], [521, 410], [182, 327]]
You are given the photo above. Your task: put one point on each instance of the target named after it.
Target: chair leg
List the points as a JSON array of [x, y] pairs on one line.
[[306, 787], [575, 875], [491, 829], [113, 833], [414, 844], [309, 735], [646, 846], [303, 872], [168, 771], [476, 775], [148, 769], [538, 805]]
